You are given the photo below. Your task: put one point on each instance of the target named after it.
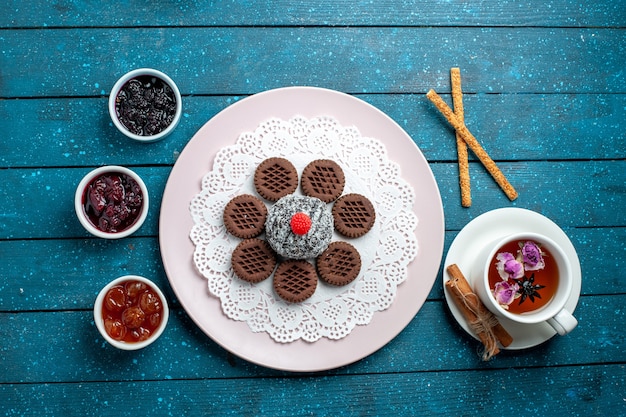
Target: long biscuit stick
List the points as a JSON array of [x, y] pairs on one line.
[[461, 146], [473, 144]]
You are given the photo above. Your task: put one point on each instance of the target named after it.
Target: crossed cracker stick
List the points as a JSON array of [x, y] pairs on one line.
[[462, 131], [461, 146]]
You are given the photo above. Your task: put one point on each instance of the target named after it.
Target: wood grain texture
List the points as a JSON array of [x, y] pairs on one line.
[[576, 391], [16, 13], [236, 61], [184, 352], [544, 93], [67, 132], [67, 274]]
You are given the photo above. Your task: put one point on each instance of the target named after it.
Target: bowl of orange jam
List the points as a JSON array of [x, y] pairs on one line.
[[131, 312]]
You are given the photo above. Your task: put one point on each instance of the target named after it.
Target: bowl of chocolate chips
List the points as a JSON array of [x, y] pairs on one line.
[[111, 202], [145, 105]]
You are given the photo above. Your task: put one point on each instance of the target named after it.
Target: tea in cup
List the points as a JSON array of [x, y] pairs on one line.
[[526, 278]]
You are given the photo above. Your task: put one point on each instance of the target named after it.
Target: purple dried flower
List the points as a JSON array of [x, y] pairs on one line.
[[532, 256], [505, 292], [508, 266]]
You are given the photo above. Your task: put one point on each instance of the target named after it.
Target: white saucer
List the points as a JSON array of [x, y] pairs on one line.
[[496, 224]]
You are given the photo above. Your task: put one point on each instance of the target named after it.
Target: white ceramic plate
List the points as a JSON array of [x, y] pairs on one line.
[[176, 222], [494, 225]]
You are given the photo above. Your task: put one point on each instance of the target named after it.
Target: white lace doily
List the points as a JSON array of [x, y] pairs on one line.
[[385, 250]]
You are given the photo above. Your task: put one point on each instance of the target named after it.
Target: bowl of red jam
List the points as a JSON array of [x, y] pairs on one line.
[[131, 312], [111, 202], [145, 105]]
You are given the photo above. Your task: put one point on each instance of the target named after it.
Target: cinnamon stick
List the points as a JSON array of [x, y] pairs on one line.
[[482, 321], [473, 144], [461, 146]]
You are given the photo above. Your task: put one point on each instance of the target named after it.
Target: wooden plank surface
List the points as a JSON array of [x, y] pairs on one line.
[[17, 14], [183, 352], [234, 61], [59, 132], [575, 391], [544, 93]]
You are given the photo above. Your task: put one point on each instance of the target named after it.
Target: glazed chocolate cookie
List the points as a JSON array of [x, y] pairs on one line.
[[323, 179], [244, 216], [340, 264], [354, 215], [253, 260], [295, 281], [275, 178]]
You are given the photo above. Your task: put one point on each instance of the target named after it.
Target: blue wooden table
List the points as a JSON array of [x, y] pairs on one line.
[[545, 92]]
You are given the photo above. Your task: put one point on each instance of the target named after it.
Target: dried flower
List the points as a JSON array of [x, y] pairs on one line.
[[529, 258], [532, 256], [508, 266], [505, 292]]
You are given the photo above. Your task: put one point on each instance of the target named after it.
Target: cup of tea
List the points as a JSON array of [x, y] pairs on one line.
[[526, 278]]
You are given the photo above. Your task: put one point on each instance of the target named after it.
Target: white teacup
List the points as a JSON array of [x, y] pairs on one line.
[[554, 312]]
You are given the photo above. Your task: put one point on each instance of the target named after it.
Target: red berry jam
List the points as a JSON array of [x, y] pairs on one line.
[[113, 202], [132, 311], [146, 105]]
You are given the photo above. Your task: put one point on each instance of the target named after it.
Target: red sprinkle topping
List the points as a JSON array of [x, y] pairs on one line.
[[300, 223]]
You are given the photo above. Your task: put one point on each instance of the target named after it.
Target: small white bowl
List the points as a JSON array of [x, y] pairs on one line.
[[99, 319], [138, 73], [81, 193]]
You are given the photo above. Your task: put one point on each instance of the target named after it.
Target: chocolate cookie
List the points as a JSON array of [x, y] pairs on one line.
[[244, 216], [323, 179], [253, 260], [295, 281], [275, 178], [340, 264], [354, 215]]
